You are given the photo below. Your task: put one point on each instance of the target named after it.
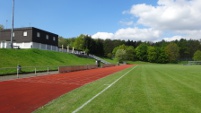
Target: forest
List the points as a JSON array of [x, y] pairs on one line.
[[155, 52]]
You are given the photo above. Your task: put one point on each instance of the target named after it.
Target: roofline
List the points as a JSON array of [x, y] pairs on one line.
[[28, 28]]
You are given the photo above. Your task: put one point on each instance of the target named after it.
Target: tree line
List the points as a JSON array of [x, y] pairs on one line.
[[156, 52]]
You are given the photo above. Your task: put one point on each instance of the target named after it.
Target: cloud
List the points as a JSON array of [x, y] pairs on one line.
[[103, 35], [173, 38], [168, 20], [169, 14], [130, 34], [126, 23]]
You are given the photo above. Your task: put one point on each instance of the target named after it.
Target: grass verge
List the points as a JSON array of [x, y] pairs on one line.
[[30, 58]]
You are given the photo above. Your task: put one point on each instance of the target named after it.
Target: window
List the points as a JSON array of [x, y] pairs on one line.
[[54, 38], [38, 34], [47, 37], [25, 33]]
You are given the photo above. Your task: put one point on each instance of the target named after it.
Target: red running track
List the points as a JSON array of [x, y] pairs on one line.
[[28, 94]]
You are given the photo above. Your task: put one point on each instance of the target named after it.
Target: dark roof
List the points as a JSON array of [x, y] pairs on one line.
[[27, 28]]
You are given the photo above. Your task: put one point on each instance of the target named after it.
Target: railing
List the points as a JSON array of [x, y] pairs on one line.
[[98, 58], [108, 65], [65, 69], [26, 69]]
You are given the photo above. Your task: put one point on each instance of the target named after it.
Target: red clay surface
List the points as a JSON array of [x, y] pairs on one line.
[[28, 94]]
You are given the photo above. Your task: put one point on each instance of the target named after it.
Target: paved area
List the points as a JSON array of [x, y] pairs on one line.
[[12, 77]]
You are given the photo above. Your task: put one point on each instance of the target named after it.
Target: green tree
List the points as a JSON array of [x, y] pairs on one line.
[[162, 58], [99, 47], [172, 51], [152, 54], [197, 55], [1, 27], [141, 52], [79, 42], [120, 55], [129, 51]]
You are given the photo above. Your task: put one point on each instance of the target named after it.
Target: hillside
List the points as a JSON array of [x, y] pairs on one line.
[[35, 57]]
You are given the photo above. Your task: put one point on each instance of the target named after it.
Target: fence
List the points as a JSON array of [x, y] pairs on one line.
[[108, 65], [194, 62], [64, 69], [26, 69]]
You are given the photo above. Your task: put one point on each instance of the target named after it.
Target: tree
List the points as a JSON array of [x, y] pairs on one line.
[[141, 52], [172, 51], [99, 47], [197, 55], [120, 55], [79, 42], [129, 52], [183, 49], [1, 27], [152, 54], [162, 58]]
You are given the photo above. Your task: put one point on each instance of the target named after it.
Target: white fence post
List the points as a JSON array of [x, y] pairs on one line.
[[17, 72], [35, 71]]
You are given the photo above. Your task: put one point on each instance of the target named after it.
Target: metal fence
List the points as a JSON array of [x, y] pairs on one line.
[[26, 69], [108, 65], [65, 69]]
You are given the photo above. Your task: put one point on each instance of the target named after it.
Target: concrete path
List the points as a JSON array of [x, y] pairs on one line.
[[12, 77]]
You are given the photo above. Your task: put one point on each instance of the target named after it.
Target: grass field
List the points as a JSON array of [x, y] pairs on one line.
[[148, 88]]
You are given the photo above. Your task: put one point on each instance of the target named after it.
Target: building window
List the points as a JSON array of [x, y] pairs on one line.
[[38, 34], [47, 37], [54, 39], [25, 33]]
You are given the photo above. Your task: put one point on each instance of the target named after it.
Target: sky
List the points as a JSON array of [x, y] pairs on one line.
[[145, 20]]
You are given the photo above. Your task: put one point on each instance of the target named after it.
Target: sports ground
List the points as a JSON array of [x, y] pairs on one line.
[[26, 95], [145, 88]]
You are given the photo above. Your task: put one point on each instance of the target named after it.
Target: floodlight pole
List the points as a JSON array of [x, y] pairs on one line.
[[11, 39]]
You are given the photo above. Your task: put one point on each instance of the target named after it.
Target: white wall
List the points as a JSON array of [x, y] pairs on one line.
[[28, 45], [5, 44]]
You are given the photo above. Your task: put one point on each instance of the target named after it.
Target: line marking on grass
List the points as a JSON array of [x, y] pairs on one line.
[[109, 85]]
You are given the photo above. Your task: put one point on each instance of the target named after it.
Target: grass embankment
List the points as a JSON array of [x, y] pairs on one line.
[[39, 58], [149, 88]]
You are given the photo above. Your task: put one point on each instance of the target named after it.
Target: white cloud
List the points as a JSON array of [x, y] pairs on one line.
[[173, 38], [126, 23], [131, 34], [103, 35], [178, 17], [169, 14]]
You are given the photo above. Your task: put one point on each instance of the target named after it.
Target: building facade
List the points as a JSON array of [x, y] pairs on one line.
[[29, 37]]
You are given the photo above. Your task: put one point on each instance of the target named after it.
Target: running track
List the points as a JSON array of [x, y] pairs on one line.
[[28, 94]]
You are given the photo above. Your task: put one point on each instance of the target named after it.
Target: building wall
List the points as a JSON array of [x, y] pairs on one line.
[[4, 44], [29, 38], [44, 37], [44, 46], [18, 35], [27, 45]]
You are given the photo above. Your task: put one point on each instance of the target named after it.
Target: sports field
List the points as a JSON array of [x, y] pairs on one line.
[[27, 94], [147, 88]]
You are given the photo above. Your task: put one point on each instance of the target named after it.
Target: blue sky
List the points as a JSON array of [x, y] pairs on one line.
[[146, 20]]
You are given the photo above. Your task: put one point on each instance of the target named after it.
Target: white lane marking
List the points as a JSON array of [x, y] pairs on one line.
[[87, 102]]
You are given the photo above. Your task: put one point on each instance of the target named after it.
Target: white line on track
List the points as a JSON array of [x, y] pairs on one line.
[[87, 102]]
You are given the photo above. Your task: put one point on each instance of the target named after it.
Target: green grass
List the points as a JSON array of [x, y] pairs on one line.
[[149, 88], [35, 57], [112, 61]]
